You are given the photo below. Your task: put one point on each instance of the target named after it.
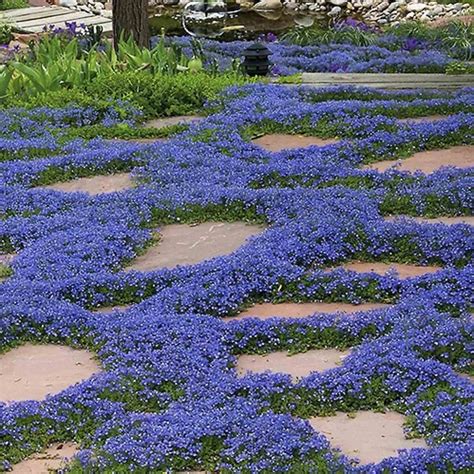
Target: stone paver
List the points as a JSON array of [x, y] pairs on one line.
[[461, 156], [169, 121], [403, 270], [112, 309], [298, 365], [30, 372], [95, 185], [425, 119], [278, 141], [436, 220], [52, 459], [366, 435], [301, 310], [186, 244]]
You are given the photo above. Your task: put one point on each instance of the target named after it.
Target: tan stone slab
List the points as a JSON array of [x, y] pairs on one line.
[[436, 220], [30, 372], [425, 119], [461, 156], [278, 141], [301, 310], [52, 459], [186, 244], [112, 309], [366, 435], [403, 270], [298, 365], [169, 121], [7, 258], [95, 185]]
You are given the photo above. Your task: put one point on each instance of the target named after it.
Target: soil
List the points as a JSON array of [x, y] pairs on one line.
[[186, 244], [53, 459], [30, 372], [95, 185], [301, 310], [403, 270], [277, 142], [429, 161], [298, 365], [366, 435]]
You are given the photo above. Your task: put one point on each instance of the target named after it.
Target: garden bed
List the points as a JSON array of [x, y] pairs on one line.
[[370, 350]]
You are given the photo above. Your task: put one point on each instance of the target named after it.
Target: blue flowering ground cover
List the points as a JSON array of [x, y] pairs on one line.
[[389, 54], [168, 397]]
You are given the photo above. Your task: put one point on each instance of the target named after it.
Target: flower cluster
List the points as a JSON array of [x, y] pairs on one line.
[[169, 396]]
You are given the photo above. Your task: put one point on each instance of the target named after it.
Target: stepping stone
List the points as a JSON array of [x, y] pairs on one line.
[[278, 141], [54, 458], [366, 435], [436, 220], [426, 119], [30, 372], [143, 141], [403, 270], [298, 365], [300, 310], [95, 185], [112, 309], [170, 121], [461, 156], [186, 245]]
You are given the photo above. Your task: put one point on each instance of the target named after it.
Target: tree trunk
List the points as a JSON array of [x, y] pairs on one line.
[[130, 18]]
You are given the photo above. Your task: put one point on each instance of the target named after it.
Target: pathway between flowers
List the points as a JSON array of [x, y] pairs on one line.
[[189, 244], [279, 141], [429, 161], [30, 372], [100, 184], [366, 435]]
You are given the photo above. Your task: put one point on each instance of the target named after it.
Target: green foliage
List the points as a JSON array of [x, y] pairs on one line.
[[317, 35], [459, 67], [161, 94], [5, 271], [5, 33], [12, 4], [459, 37]]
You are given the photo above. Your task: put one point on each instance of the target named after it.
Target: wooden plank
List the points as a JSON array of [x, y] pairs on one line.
[[52, 12], [61, 19], [18, 12], [391, 86], [384, 77]]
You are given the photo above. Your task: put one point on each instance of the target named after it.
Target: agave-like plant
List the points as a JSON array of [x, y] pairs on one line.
[[459, 37]]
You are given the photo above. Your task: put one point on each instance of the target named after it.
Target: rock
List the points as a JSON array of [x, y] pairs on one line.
[[305, 20], [98, 6], [416, 7], [106, 13], [382, 6], [393, 6], [67, 3], [338, 3], [410, 15], [268, 5], [335, 11]]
